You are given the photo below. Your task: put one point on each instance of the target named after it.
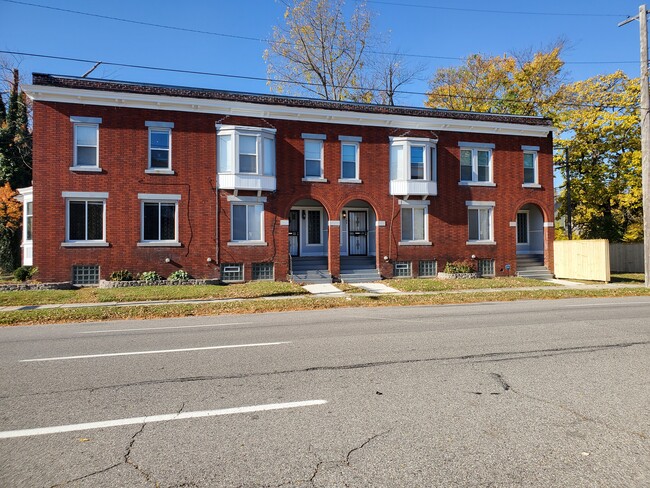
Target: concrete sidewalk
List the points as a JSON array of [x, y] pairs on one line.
[[321, 291]]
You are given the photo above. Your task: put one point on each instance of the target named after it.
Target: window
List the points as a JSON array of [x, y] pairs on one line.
[[476, 162], [160, 146], [263, 271], [246, 150], [480, 222], [417, 162], [159, 219], [28, 220], [247, 222], [414, 221], [350, 159], [427, 268], [313, 158], [86, 143], [402, 269], [486, 267], [85, 274], [413, 158], [232, 272], [530, 165], [85, 218]]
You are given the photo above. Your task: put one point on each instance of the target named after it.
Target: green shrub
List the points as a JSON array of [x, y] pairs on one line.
[[25, 272], [465, 266], [121, 275], [150, 276], [179, 275]]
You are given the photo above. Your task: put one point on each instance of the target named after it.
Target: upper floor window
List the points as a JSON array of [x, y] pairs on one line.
[[246, 150], [475, 162], [85, 218], [480, 222], [159, 219], [530, 165], [413, 158], [314, 169], [160, 146], [350, 158], [86, 143]]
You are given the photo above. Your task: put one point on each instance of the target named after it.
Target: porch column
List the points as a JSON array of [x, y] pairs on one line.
[[334, 248]]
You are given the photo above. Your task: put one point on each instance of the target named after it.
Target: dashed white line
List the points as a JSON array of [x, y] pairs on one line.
[[164, 351], [609, 304], [155, 418], [161, 328]]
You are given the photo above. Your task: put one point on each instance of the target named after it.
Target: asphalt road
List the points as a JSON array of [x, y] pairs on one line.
[[530, 393]]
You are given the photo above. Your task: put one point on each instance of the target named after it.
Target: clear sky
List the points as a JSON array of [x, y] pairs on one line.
[[438, 29]]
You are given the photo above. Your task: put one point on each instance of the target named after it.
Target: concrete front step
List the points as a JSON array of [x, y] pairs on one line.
[[359, 277]]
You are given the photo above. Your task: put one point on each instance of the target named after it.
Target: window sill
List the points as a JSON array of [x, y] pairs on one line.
[[86, 169], [476, 183], [159, 244], [315, 180], [248, 243], [415, 243], [531, 185], [159, 171], [481, 243], [85, 244], [350, 180]]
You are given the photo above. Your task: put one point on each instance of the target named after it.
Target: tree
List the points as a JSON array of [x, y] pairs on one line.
[[523, 83], [16, 140], [10, 220], [600, 126], [390, 73]]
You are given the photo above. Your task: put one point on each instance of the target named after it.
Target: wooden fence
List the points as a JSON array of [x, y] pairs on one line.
[[582, 260], [626, 257]]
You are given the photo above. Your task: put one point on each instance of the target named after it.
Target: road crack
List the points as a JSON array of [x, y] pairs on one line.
[[127, 457], [368, 441], [94, 473]]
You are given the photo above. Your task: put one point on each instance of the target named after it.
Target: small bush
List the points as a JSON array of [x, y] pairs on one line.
[[466, 266], [121, 275], [150, 276], [24, 273], [179, 275]]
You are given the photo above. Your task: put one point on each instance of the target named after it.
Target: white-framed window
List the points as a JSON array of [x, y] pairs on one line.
[[28, 219], [247, 222], [85, 218], [480, 222], [414, 217], [314, 146], [246, 150], [413, 159], [350, 159], [476, 164], [86, 143], [160, 146], [158, 219], [530, 165]]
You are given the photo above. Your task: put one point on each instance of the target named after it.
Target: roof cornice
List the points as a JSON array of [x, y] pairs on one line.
[[103, 97]]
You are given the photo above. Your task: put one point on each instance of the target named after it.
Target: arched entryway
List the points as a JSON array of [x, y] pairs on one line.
[[308, 232], [530, 230], [358, 242]]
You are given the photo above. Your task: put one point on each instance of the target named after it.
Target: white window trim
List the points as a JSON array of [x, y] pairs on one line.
[[260, 133], [414, 204], [159, 198], [160, 127], [474, 147], [534, 151], [260, 242], [430, 156], [481, 205], [356, 159], [79, 196], [25, 217], [84, 122], [320, 138]]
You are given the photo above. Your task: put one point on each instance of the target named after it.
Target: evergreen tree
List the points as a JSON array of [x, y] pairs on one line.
[[15, 140]]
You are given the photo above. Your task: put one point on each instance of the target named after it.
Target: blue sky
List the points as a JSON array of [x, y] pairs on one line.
[[597, 45]]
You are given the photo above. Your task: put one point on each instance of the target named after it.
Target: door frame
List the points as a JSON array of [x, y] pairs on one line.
[[527, 214], [365, 212]]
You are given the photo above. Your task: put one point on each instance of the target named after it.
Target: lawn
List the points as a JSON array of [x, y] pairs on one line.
[[433, 284], [253, 289]]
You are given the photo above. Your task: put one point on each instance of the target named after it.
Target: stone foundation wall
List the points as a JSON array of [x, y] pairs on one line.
[[129, 284]]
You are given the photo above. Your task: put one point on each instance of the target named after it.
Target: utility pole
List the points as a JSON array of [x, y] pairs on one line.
[[645, 135], [567, 193]]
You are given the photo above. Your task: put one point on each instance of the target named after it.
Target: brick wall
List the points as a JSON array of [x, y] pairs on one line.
[[123, 156]]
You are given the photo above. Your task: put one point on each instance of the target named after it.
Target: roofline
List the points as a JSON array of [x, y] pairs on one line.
[[163, 97]]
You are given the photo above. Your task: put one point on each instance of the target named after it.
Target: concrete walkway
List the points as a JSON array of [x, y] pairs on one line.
[[326, 289], [375, 287]]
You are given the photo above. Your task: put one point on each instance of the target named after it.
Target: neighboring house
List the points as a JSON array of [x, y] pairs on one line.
[[245, 186]]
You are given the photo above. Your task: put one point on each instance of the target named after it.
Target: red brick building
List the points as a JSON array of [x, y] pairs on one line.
[[244, 186]]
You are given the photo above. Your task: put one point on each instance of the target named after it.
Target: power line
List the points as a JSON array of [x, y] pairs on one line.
[[293, 82], [265, 40], [486, 11]]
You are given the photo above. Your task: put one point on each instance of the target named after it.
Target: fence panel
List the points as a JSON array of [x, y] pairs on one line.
[[582, 260], [626, 257]]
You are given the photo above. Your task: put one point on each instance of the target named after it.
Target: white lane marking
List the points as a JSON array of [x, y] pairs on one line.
[[9, 434], [161, 328], [134, 353], [613, 304]]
